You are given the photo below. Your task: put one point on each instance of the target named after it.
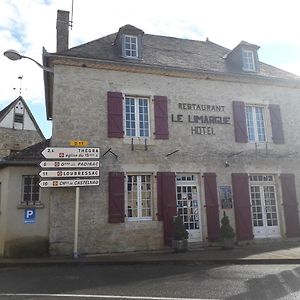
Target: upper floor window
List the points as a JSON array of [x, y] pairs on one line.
[[137, 116], [18, 118], [31, 190], [248, 60], [130, 46], [255, 123]]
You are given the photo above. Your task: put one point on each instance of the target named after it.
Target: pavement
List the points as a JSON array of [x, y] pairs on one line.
[[283, 251]]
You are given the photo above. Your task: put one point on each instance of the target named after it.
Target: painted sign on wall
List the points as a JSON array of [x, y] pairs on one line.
[[204, 121]]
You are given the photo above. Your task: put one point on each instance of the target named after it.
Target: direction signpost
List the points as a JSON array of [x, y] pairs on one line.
[[71, 153], [70, 164], [70, 173], [69, 182], [81, 166]]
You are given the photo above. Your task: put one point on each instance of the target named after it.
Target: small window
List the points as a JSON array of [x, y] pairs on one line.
[[18, 118], [139, 197], [130, 46], [137, 116], [31, 190], [255, 123], [248, 60]]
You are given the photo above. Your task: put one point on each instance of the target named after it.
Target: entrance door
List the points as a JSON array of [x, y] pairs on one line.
[[264, 207], [188, 203]]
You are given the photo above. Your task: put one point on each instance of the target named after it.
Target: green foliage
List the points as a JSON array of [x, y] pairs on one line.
[[226, 231], [180, 232]]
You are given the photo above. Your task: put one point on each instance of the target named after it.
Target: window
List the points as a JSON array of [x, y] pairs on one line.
[[137, 117], [255, 123], [248, 60], [139, 197], [31, 189], [18, 118], [130, 46]]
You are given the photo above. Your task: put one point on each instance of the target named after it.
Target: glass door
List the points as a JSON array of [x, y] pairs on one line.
[[188, 203], [264, 208]]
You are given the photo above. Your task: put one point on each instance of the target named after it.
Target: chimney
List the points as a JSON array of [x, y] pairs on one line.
[[62, 31]]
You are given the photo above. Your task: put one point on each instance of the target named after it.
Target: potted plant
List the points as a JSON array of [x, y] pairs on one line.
[[226, 233], [180, 242]]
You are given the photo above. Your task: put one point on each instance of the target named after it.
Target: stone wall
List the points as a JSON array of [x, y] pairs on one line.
[[12, 139], [80, 112]]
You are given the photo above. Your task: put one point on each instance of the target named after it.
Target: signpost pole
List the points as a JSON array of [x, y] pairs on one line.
[[75, 253]]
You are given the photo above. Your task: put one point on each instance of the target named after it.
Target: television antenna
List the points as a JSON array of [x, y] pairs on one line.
[[72, 10], [20, 85]]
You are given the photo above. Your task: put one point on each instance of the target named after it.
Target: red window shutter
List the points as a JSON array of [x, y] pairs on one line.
[[290, 205], [116, 205], [166, 203], [242, 206], [161, 117], [239, 119], [276, 124], [212, 206], [115, 115]]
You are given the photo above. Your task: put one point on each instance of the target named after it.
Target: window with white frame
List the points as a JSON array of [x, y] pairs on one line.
[[137, 116], [31, 190], [248, 60], [130, 46], [255, 116], [139, 197]]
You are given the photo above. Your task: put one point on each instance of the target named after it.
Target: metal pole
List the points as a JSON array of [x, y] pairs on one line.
[[75, 253]]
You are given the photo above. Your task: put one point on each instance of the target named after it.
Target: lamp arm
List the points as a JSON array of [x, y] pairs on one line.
[[47, 69]]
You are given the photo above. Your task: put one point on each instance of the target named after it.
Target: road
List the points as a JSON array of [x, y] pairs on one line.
[[153, 282]]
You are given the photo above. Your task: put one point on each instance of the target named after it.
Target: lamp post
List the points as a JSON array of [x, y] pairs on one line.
[[15, 55]]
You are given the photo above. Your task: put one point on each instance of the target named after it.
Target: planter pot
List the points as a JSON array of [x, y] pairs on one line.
[[180, 246], [227, 244]]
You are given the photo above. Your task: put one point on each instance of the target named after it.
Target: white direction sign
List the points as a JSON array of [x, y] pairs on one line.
[[69, 183], [70, 164], [71, 153], [70, 173]]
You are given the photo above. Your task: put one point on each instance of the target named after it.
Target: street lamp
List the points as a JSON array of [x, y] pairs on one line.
[[15, 55]]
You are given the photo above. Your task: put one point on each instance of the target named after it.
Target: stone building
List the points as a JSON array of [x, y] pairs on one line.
[[183, 126], [20, 139], [24, 209], [18, 128]]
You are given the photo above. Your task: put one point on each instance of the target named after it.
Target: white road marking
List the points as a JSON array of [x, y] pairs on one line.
[[98, 296]]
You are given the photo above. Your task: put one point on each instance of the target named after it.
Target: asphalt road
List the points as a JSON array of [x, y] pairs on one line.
[[153, 282]]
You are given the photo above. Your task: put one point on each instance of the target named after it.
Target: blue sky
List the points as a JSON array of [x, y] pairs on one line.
[[29, 25]]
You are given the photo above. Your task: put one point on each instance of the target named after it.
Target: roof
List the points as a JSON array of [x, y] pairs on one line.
[[28, 156], [10, 106], [172, 52], [167, 54]]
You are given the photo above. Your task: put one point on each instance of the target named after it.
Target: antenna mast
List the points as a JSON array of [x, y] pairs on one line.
[[71, 21], [20, 85]]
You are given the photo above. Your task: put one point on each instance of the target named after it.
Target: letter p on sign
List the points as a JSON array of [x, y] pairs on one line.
[[29, 215]]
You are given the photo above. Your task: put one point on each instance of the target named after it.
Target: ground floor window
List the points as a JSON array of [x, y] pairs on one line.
[[31, 190], [139, 197]]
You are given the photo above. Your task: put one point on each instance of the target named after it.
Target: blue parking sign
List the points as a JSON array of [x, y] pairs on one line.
[[29, 215]]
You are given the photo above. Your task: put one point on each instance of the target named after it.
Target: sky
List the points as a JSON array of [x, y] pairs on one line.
[[29, 25]]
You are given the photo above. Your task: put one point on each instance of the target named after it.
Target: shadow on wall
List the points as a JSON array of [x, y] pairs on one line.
[[27, 247]]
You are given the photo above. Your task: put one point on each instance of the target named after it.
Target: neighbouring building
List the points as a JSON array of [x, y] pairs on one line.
[[18, 128], [184, 127], [24, 207], [20, 140]]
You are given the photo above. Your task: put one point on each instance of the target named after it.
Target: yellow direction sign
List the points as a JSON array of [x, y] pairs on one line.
[[78, 143]]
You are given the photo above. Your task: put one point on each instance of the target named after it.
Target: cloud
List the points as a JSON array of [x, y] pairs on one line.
[[28, 25]]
